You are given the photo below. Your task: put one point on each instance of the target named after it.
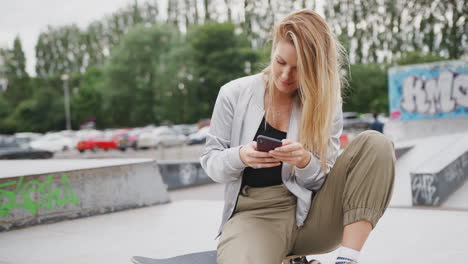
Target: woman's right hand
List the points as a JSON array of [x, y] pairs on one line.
[[257, 159]]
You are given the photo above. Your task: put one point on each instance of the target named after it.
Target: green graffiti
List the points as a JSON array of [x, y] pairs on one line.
[[47, 195]]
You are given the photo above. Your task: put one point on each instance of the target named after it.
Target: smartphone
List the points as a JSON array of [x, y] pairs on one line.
[[266, 144]]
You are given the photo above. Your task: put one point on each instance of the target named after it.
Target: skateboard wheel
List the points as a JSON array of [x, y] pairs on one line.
[[315, 262]]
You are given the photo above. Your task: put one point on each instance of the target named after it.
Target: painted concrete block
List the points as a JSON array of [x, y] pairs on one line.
[[180, 174], [435, 188], [98, 187], [438, 156]]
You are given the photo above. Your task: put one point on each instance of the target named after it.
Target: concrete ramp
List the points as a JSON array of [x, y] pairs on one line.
[[42, 191], [430, 170]]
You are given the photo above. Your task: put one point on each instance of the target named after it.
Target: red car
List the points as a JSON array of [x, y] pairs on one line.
[[107, 144], [94, 144], [83, 145], [106, 141]]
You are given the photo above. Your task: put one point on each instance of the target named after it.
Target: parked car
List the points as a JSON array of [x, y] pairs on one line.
[[11, 149], [203, 123], [86, 144], [25, 138], [369, 118], [160, 137], [344, 140], [108, 140], [198, 137], [53, 142], [129, 140], [351, 120], [86, 140], [185, 129]]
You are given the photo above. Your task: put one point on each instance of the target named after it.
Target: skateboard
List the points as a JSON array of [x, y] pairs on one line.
[[205, 257]]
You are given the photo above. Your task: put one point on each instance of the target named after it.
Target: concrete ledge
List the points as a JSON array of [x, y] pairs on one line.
[[436, 187], [180, 174], [91, 187], [428, 166]]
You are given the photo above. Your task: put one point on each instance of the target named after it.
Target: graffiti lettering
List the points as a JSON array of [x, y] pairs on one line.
[[424, 190], [23, 195], [442, 94], [457, 171]]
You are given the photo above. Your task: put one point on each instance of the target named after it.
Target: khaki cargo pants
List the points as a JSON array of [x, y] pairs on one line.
[[263, 228]]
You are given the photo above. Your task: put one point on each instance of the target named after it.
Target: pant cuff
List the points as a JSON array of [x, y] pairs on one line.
[[360, 214]]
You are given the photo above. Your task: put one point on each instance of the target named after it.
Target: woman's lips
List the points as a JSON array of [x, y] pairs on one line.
[[286, 83]]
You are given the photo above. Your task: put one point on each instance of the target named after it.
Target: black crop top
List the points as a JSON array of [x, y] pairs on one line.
[[264, 177]]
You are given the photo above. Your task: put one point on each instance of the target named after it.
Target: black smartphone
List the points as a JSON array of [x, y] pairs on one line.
[[266, 144]]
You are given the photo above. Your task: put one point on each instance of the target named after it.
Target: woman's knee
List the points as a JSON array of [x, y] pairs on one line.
[[375, 142], [373, 154]]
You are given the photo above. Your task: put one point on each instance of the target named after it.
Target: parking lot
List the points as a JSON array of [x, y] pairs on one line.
[[183, 152]]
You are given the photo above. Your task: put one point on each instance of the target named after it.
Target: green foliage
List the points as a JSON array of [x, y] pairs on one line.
[[86, 103], [5, 109], [132, 88], [393, 27], [367, 91], [43, 112], [221, 55], [417, 57], [14, 70]]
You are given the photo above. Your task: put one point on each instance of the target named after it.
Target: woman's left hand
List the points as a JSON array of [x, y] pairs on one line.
[[292, 152]]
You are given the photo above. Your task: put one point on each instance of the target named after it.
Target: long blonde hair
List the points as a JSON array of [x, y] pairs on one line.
[[319, 61]]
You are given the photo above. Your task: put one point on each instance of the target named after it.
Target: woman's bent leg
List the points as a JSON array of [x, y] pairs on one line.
[[261, 230], [358, 188]]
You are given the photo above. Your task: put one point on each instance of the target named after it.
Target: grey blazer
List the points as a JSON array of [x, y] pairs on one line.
[[238, 112]]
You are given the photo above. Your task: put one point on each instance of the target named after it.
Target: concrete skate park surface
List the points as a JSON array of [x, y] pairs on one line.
[[189, 224]]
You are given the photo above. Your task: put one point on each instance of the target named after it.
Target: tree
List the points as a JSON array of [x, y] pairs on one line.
[[220, 55], [14, 70], [368, 90], [43, 112], [86, 104], [416, 57], [380, 31], [60, 50], [5, 110], [132, 88]]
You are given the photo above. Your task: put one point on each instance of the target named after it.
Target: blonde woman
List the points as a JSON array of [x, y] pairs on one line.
[[300, 198]]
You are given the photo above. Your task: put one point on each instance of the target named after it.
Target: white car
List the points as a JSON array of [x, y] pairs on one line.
[[198, 137], [53, 142], [160, 137], [24, 138]]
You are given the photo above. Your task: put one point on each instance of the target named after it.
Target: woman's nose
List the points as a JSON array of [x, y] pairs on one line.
[[285, 74]]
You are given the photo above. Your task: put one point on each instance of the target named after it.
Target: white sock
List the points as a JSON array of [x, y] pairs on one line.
[[346, 255]]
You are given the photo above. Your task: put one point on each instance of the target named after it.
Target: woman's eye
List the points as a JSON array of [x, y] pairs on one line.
[[282, 63]]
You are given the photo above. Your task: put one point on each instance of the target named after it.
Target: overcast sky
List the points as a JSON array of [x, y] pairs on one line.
[[27, 18]]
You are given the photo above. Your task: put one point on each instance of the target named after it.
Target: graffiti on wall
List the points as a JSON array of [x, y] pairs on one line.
[[424, 189], [18, 194], [435, 90]]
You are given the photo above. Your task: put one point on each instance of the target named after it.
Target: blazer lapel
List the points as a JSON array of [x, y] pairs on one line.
[[254, 113], [293, 134]]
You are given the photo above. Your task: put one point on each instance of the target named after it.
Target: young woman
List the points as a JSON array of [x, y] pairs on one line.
[[301, 198]]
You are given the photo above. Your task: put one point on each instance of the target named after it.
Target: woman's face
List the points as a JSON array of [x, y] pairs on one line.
[[284, 67]]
